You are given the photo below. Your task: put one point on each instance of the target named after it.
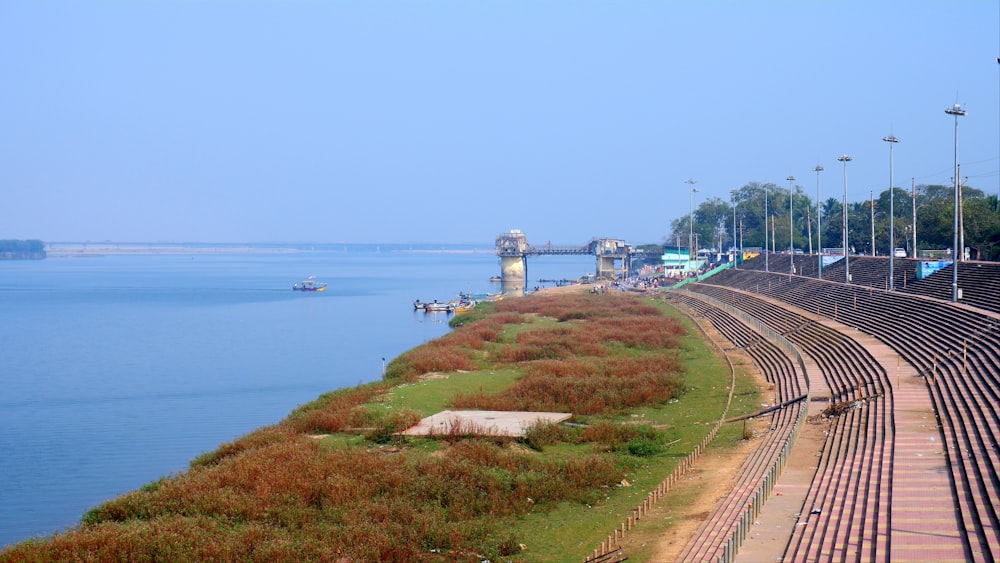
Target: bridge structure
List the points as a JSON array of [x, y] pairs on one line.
[[614, 256]]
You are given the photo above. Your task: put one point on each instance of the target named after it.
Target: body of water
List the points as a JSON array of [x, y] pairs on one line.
[[119, 369]]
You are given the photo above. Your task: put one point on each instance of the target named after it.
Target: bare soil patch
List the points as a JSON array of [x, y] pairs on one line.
[[670, 525]]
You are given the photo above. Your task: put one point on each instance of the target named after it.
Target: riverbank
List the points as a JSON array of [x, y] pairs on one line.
[[558, 492], [88, 249]]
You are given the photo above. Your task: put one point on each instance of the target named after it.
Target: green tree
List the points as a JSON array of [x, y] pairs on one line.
[[981, 221], [934, 225], [22, 249]]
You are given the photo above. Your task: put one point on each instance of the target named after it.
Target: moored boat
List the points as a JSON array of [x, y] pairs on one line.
[[477, 297], [443, 307], [464, 307]]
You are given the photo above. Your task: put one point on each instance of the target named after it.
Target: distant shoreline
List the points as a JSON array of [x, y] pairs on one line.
[[69, 251], [81, 249]]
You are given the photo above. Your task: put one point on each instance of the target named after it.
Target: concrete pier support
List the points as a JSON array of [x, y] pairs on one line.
[[512, 249], [609, 252], [513, 271], [606, 267]]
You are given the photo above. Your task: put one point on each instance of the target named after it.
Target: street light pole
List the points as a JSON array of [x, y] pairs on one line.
[[957, 111], [691, 221], [871, 196], [791, 231], [847, 255], [736, 260], [819, 225], [913, 209], [766, 268], [892, 217]]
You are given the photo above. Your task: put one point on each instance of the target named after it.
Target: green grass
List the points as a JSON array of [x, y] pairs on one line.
[[433, 395]]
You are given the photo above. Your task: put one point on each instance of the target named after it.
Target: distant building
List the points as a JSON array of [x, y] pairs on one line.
[[677, 262]]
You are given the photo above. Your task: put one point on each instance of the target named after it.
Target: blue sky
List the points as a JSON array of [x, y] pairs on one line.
[[454, 121]]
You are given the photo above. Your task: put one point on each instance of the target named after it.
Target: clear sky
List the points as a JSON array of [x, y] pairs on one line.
[[454, 121]]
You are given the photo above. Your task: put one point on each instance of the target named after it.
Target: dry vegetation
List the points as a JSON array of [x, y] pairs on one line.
[[278, 494]]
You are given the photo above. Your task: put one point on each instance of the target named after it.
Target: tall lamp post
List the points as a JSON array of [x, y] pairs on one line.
[[847, 255], [871, 206], [819, 225], [957, 111], [791, 231], [736, 260], [913, 208], [892, 217], [766, 268], [691, 221]]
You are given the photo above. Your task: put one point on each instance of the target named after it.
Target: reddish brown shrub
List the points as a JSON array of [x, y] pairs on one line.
[[507, 318], [464, 337], [590, 394], [428, 359], [624, 367], [256, 439], [331, 412], [638, 332]]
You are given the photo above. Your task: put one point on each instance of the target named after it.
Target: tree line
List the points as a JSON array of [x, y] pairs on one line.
[[22, 249], [934, 226]]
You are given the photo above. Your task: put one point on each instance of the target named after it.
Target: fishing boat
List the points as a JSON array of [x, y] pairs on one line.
[[418, 304], [443, 307], [477, 297], [310, 285], [464, 307]]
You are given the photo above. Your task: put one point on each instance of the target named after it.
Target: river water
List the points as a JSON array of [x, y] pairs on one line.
[[119, 369]]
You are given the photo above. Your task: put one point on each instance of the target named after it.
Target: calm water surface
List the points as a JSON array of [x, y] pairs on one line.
[[120, 369]]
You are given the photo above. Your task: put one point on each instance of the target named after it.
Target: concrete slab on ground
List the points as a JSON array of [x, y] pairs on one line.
[[487, 423]]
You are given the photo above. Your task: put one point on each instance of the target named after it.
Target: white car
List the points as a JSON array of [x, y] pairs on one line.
[[899, 253]]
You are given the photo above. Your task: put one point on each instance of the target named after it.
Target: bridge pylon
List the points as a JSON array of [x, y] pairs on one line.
[[511, 248], [611, 252]]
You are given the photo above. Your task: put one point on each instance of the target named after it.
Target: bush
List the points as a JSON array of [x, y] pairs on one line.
[[334, 411], [540, 433], [259, 438], [430, 358], [389, 423], [643, 447]]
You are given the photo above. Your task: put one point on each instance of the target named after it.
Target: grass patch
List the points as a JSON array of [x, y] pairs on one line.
[[433, 394]]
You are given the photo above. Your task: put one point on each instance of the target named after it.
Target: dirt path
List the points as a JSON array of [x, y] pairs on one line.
[[663, 533]]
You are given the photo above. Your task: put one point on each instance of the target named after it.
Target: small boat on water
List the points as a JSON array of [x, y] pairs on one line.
[[310, 285], [465, 303], [442, 307], [477, 297]]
